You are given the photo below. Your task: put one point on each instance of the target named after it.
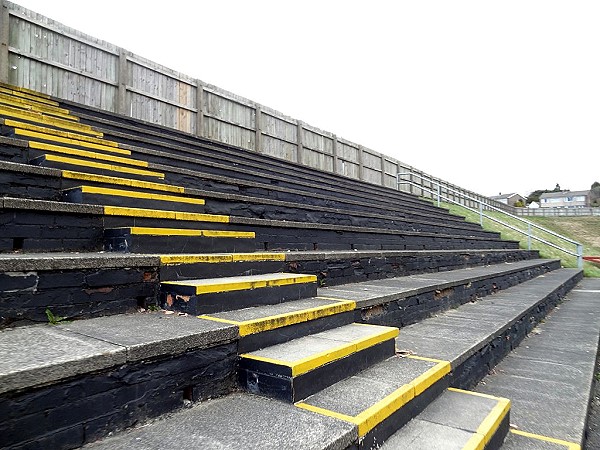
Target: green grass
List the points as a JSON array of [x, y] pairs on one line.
[[585, 230]]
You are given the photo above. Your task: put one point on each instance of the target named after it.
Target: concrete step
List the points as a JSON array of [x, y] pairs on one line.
[[208, 295], [132, 198], [298, 368], [476, 336], [382, 398], [264, 326], [35, 106], [27, 94], [456, 420], [550, 376], [519, 440], [177, 240]]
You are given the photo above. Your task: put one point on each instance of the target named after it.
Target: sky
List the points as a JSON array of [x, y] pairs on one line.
[[494, 96]]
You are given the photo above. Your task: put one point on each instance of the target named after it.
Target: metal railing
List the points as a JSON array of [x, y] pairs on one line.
[[439, 195]]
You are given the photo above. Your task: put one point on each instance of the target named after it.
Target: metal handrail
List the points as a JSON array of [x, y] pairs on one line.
[[482, 204]]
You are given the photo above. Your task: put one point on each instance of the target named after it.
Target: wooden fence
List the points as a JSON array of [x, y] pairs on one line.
[[41, 54]]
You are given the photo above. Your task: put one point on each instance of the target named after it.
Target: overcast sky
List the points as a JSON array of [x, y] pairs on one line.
[[495, 96]]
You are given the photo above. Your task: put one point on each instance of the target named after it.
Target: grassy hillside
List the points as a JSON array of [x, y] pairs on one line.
[[585, 230]]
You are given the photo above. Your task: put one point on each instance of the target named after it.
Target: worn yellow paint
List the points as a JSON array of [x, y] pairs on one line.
[[64, 140], [241, 257], [29, 106], [15, 100], [255, 326], [97, 165], [309, 363], [61, 133], [327, 412], [475, 442], [143, 195], [87, 154], [427, 379], [83, 176], [188, 232], [161, 214], [374, 415], [567, 444], [28, 94], [492, 422], [51, 121]]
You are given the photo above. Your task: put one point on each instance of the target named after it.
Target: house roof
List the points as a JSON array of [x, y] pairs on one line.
[[506, 196], [563, 194]]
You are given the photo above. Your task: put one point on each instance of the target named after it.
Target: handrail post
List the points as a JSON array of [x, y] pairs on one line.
[[481, 213], [439, 195], [529, 236], [579, 256]]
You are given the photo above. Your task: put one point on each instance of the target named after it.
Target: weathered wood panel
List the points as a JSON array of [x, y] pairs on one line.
[[318, 160], [371, 160], [281, 129], [279, 148], [229, 134], [229, 111]]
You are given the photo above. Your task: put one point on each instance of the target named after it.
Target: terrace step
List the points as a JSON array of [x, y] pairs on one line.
[[264, 326], [203, 296], [456, 420], [550, 376], [298, 368], [382, 398], [177, 240], [132, 198]]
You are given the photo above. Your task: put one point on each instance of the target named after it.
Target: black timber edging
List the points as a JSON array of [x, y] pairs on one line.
[[112, 124], [47, 184], [116, 380]]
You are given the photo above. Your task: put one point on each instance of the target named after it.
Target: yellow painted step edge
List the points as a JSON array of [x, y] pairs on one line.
[[64, 140], [189, 232], [255, 326], [52, 121], [312, 362], [377, 413], [490, 423], [161, 214], [111, 167], [142, 195], [46, 110], [246, 285], [567, 444], [12, 87], [61, 133], [215, 258], [13, 99], [28, 94], [83, 176], [87, 154]]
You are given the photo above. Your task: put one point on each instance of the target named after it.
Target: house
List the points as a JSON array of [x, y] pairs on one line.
[[566, 199], [509, 199], [533, 205]]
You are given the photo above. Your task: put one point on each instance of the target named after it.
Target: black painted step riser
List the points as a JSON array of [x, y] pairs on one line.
[[373, 206], [257, 379], [350, 270], [268, 338], [41, 161], [76, 196], [412, 309], [113, 399], [348, 219], [13, 154], [477, 366], [50, 188], [81, 293], [177, 244], [402, 416], [178, 298]]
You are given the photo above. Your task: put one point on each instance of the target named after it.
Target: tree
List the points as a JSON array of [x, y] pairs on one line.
[[595, 194]]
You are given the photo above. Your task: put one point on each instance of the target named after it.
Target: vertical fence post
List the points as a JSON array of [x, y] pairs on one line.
[[579, 256], [480, 213], [258, 127], [4, 36], [199, 108], [361, 164], [122, 92], [300, 147], [439, 194], [528, 236], [382, 169], [335, 153]]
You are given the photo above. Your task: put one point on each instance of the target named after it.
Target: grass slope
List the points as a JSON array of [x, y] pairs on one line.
[[585, 230]]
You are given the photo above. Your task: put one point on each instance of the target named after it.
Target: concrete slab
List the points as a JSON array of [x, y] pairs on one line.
[[33, 356], [423, 435], [149, 335], [239, 421], [515, 441], [18, 262], [549, 377]]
